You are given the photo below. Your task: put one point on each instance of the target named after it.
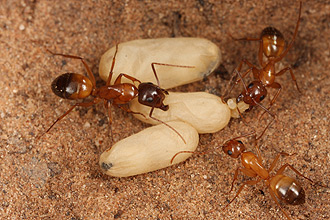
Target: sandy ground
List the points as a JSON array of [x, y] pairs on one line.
[[58, 177]]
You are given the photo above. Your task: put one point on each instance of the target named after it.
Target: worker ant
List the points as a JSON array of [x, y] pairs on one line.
[[76, 86], [281, 187], [272, 45]]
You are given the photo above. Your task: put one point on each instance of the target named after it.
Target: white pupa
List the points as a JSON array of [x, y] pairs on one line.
[[135, 57], [235, 107], [204, 111], [149, 150]]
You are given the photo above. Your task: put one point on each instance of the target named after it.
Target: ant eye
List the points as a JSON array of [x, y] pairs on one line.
[[250, 85], [262, 97], [150, 99], [240, 142], [229, 152]]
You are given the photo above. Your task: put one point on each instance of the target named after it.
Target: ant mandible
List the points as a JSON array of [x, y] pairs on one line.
[[281, 187], [271, 45], [76, 86]]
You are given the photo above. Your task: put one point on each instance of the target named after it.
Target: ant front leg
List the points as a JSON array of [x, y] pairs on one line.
[[250, 182], [277, 86], [89, 72], [118, 80], [164, 123], [246, 171], [124, 108]]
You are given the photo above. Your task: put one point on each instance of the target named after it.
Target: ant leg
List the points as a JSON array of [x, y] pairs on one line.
[[244, 38], [276, 160], [241, 115], [281, 170], [252, 39], [118, 80], [278, 204], [292, 76], [251, 68], [83, 104], [293, 38], [89, 72], [156, 119], [228, 90], [250, 182], [257, 138], [107, 105], [260, 55], [164, 64], [264, 108], [247, 172], [130, 111], [112, 66], [277, 86], [234, 78]]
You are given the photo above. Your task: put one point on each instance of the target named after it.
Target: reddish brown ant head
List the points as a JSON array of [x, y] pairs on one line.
[[233, 148], [272, 42], [151, 95], [72, 86], [254, 93]]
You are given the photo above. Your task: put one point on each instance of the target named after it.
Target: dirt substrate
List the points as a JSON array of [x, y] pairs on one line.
[[58, 177]]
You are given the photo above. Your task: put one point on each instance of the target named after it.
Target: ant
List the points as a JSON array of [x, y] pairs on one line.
[[76, 86], [272, 45], [281, 187]]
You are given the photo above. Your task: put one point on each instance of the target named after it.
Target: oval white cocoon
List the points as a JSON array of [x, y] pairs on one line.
[[150, 149], [204, 111], [135, 57]]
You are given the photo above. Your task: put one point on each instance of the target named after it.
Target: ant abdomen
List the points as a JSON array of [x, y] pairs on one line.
[[151, 95], [72, 86], [272, 41], [287, 189]]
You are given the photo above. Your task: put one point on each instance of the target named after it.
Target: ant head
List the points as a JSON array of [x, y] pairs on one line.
[[272, 42], [72, 86], [151, 95], [254, 93], [233, 148]]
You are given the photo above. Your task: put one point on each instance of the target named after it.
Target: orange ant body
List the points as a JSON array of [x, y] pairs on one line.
[[272, 45], [281, 187], [76, 86]]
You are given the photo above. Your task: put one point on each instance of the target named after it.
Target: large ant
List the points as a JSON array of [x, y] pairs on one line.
[[271, 45], [76, 86], [281, 187]]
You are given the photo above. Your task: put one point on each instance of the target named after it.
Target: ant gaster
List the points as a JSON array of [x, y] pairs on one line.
[[76, 86], [272, 45]]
